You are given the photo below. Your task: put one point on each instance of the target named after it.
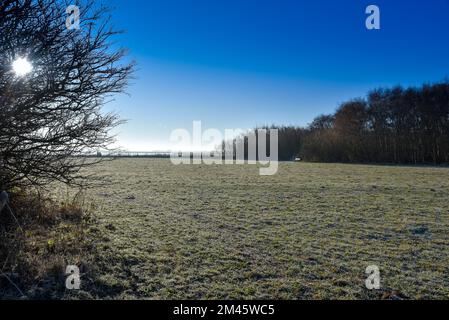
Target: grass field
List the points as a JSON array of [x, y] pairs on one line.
[[309, 232]]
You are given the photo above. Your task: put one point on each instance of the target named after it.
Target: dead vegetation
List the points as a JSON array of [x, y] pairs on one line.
[[37, 245]]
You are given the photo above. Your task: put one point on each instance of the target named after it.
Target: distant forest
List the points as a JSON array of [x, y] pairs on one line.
[[397, 125]]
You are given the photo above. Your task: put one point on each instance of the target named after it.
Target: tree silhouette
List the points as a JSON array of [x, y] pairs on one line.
[[53, 114], [396, 125], [390, 126]]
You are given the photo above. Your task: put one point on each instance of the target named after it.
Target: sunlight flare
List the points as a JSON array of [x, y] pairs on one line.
[[22, 67]]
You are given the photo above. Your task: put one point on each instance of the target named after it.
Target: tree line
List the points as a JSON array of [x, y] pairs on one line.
[[390, 125]]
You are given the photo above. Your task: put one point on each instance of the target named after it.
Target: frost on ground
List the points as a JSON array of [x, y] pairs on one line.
[[309, 232]]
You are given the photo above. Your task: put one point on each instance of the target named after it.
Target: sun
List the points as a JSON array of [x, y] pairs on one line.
[[22, 67]]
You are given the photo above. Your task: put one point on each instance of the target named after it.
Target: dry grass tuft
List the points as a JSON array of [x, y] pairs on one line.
[[36, 246]]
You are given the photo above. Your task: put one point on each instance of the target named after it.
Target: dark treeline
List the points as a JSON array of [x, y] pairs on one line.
[[397, 125]]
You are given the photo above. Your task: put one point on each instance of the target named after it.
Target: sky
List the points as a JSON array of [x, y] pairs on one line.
[[242, 63]]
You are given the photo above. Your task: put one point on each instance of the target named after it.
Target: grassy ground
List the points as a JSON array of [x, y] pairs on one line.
[[309, 232], [39, 238]]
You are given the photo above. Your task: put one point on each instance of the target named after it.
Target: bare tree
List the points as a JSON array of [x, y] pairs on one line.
[[53, 114]]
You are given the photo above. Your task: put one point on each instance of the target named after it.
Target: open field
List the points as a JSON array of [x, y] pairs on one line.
[[309, 232]]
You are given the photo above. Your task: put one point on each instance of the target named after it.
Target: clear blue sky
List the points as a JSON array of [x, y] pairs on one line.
[[242, 63]]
